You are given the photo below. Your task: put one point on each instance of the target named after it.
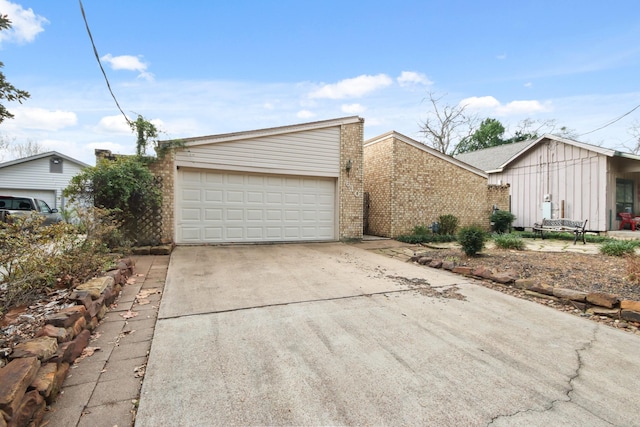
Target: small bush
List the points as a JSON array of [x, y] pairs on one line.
[[509, 241], [421, 230], [472, 239], [619, 247], [502, 221], [448, 224]]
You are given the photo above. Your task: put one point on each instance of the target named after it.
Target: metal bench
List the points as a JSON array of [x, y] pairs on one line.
[[561, 225]]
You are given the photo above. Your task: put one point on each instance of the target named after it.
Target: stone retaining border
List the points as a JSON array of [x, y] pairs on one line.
[[591, 303], [38, 367]]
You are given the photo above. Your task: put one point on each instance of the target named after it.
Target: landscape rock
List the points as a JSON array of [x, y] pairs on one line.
[[483, 272], [42, 347], [463, 270], [604, 311], [141, 250], [602, 299], [631, 316], [503, 278], [161, 250], [31, 410], [570, 294], [96, 286], [117, 277], [523, 283], [424, 260], [60, 334], [45, 378], [448, 265], [14, 380], [62, 319], [541, 288], [81, 297], [630, 305], [435, 263]]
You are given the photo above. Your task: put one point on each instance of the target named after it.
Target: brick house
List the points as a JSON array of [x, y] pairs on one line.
[[292, 183], [410, 184]]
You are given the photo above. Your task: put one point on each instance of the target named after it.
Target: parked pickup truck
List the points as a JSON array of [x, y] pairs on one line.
[[11, 206]]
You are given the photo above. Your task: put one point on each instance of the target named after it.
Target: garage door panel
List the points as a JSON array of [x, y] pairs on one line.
[[234, 207]]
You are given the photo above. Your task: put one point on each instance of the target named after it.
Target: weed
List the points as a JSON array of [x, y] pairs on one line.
[[509, 241]]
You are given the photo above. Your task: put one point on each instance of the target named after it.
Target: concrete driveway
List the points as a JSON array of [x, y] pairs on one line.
[[330, 334]]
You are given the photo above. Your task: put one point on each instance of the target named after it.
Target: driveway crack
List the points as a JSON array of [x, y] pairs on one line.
[[579, 352]]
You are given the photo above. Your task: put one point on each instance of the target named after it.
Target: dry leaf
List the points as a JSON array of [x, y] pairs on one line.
[[144, 293], [129, 314], [131, 281], [143, 301], [139, 371], [88, 351]]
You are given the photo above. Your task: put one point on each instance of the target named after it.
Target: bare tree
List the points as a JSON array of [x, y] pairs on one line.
[[532, 129], [634, 131], [26, 149], [446, 125]]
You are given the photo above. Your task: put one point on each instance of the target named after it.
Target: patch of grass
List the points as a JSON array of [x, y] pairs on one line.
[[509, 241], [591, 238], [619, 247]]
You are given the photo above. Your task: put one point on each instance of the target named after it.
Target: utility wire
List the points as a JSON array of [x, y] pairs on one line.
[[95, 51], [612, 121]]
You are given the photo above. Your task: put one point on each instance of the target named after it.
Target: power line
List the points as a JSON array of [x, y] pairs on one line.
[[95, 52], [612, 121]]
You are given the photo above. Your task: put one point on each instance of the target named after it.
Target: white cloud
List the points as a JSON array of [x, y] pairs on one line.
[[352, 88], [409, 78], [129, 63], [113, 124], [42, 119], [523, 107], [491, 105], [25, 25], [305, 114], [480, 102], [352, 108]]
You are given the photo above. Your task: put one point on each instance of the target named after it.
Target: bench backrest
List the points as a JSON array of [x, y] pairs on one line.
[[563, 222]]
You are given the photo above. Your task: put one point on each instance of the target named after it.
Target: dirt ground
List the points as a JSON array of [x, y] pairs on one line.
[[584, 272]]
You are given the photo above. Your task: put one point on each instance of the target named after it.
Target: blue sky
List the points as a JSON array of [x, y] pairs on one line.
[[199, 68]]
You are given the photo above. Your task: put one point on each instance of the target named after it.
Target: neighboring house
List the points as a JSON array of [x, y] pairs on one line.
[[554, 177], [410, 184], [292, 183], [43, 176]]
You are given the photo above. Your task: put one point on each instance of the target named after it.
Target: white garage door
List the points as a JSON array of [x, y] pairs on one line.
[[48, 196], [221, 207]]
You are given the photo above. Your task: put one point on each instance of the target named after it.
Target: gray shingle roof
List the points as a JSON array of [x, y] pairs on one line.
[[494, 157]]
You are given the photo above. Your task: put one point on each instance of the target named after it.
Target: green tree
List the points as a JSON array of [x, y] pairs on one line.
[[8, 92], [489, 134]]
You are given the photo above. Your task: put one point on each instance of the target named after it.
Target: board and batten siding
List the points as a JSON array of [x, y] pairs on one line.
[[573, 177], [310, 153], [35, 175]]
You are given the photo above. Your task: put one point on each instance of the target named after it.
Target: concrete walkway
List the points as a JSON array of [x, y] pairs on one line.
[[102, 389], [317, 334]]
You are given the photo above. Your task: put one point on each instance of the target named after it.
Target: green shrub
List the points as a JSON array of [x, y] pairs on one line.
[[590, 238], [502, 221], [509, 241], [472, 239], [619, 247], [421, 230], [426, 238], [448, 224]]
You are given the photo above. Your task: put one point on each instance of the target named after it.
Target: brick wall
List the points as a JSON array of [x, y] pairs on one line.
[[163, 169], [378, 172], [408, 186], [350, 183]]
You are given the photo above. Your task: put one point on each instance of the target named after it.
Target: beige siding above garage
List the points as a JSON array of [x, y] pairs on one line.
[[310, 153]]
